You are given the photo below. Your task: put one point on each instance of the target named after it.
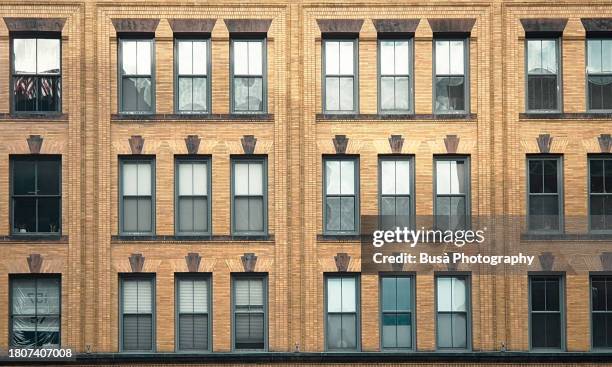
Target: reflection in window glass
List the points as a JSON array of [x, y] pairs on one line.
[[395, 193], [450, 82], [342, 310], [249, 313], [452, 199], [339, 79], [396, 312], [136, 75], [599, 70], [452, 312], [394, 75], [192, 75], [542, 74], [248, 75], [601, 311], [341, 198]]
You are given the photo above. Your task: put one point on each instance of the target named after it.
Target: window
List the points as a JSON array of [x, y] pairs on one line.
[[450, 84], [137, 88], [249, 322], [599, 78], [340, 78], [546, 311], [193, 322], [192, 76], [341, 312], [249, 75], [601, 307], [137, 196], [395, 69], [192, 196], [36, 194], [341, 194], [395, 192], [543, 86], [452, 299], [249, 196], [396, 312], [137, 312], [36, 74], [600, 193], [544, 199], [452, 193], [35, 311]]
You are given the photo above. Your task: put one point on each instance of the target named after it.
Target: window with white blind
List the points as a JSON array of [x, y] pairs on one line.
[[248, 69], [341, 195], [395, 192], [340, 76], [249, 324], [452, 300], [249, 187], [192, 82], [137, 196], [34, 311], [342, 312], [192, 196], [193, 319], [137, 313]]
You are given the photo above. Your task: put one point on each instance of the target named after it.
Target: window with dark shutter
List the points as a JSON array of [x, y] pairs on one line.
[[193, 315]]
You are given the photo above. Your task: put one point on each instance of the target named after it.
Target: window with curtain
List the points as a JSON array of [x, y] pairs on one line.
[[193, 315], [452, 193], [193, 204], [137, 85], [599, 74], [546, 312], [452, 302], [342, 312], [341, 195], [36, 194], [396, 312], [35, 311], [249, 196], [450, 84], [137, 192], [600, 193], [544, 199], [339, 81], [394, 84], [137, 313], [543, 89], [248, 75], [395, 192], [601, 311], [192, 75], [249, 313]]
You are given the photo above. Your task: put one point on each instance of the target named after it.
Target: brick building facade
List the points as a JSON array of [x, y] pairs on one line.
[[490, 111]]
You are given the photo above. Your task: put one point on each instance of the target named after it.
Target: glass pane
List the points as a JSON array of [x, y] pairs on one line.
[[241, 179], [534, 56], [334, 331], [185, 171], [347, 219], [389, 292], [24, 54], [200, 87], [144, 215], [542, 92], [598, 294], [608, 175], [23, 296], [255, 179], [24, 179], [387, 210], [459, 330], [130, 179], [48, 296], [387, 177], [144, 179], [349, 299], [444, 294], [445, 330], [49, 215], [402, 93], [255, 58], [49, 94], [387, 93], [442, 57], [402, 55], [443, 177], [332, 214], [185, 94], [241, 66], [25, 90], [200, 214], [552, 295], [346, 58], [24, 215], [128, 57], [389, 331], [332, 58], [550, 176], [256, 214], [538, 295], [349, 333], [255, 94], [600, 334], [450, 94], [404, 331], [549, 56], [347, 179], [459, 294], [594, 56], [332, 94], [402, 177], [600, 92], [136, 94], [606, 56], [597, 208], [241, 94], [186, 215], [387, 57], [200, 179], [143, 50], [402, 211], [23, 332], [456, 57], [332, 177], [536, 176], [185, 53], [200, 60], [334, 295], [241, 215], [403, 293], [130, 215], [48, 56], [346, 94]]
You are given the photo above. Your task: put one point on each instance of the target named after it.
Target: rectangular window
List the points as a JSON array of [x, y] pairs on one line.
[[452, 193], [600, 193], [136, 76], [544, 199], [36, 74], [192, 80], [137, 312], [546, 297], [36, 190], [341, 193], [192, 196], [35, 311], [340, 76], [601, 308], [395, 66], [193, 321], [599, 74], [341, 312], [249, 75], [450, 82], [249, 299], [396, 204], [249, 195], [396, 311], [452, 300], [137, 203], [543, 82]]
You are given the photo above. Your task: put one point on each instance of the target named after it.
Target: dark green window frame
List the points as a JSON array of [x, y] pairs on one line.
[[437, 75], [549, 280], [128, 277], [558, 75], [467, 313], [354, 39], [356, 313], [122, 76], [136, 159], [465, 195], [194, 277], [385, 220], [178, 76], [531, 196], [250, 309], [263, 161], [340, 195], [395, 75], [393, 314], [179, 160], [263, 76]]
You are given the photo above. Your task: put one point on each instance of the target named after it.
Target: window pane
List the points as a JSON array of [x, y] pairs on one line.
[[24, 53], [387, 93], [186, 214], [388, 179], [332, 177], [255, 94], [200, 214], [606, 56], [349, 299], [459, 294], [48, 56], [241, 216], [241, 178], [602, 330], [332, 215], [256, 214], [598, 294], [143, 50], [185, 179], [136, 94], [346, 94], [403, 293], [49, 93], [241, 94], [144, 179], [402, 54], [594, 56], [534, 56], [200, 179], [402, 177], [332, 94], [600, 92], [24, 177], [347, 219], [200, 61], [402, 93], [255, 58], [241, 66], [549, 56], [185, 50], [185, 94], [387, 57], [456, 57], [25, 90], [23, 296], [199, 94], [538, 295], [445, 330], [49, 215], [442, 57], [542, 92], [443, 177], [544, 213], [536, 176], [550, 176], [459, 321], [349, 332], [24, 219], [144, 215], [334, 331], [444, 294], [389, 292], [552, 295], [128, 59], [332, 58], [389, 331], [334, 294], [450, 94], [346, 58], [347, 180], [404, 330]]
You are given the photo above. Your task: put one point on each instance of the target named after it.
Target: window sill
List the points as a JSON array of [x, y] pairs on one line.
[[338, 237], [154, 117], [32, 238], [395, 117], [191, 239], [51, 116], [566, 237], [565, 116]]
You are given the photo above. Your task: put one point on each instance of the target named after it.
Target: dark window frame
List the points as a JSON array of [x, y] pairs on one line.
[[357, 278], [136, 159], [412, 311], [260, 159], [120, 76], [562, 309], [264, 73], [466, 75], [206, 159], [412, 172], [607, 277], [151, 277], [34, 158], [588, 74], [410, 75], [36, 277], [58, 89], [249, 276], [357, 202], [560, 191], [468, 308], [590, 158], [207, 277], [345, 38], [468, 186], [559, 75], [178, 76]]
